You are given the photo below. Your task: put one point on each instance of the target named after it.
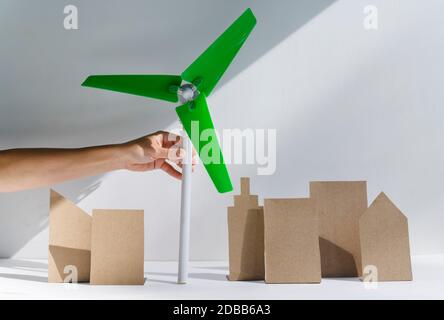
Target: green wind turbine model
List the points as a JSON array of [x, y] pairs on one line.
[[191, 89]]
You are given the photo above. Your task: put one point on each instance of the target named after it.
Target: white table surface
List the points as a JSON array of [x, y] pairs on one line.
[[27, 279]]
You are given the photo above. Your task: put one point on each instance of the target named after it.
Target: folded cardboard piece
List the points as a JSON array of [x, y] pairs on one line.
[[246, 236], [107, 248], [69, 240], [384, 241], [291, 241], [117, 253], [340, 205]]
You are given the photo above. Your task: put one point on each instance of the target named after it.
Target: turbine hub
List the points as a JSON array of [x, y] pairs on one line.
[[188, 92]]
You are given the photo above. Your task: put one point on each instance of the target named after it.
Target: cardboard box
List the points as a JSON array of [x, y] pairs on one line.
[[246, 236], [69, 240], [340, 205], [117, 247], [291, 241], [385, 241]]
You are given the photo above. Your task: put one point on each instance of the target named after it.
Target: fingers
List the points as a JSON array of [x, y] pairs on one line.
[[174, 154], [194, 162], [170, 170], [170, 139], [168, 146], [158, 164], [171, 147], [166, 150]]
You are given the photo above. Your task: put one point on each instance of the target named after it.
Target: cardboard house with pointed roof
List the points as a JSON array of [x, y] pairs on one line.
[[384, 240]]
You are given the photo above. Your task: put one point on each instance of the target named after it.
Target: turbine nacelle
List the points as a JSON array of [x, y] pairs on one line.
[[188, 92]]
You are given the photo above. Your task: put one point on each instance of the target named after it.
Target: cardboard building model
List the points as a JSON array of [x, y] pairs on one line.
[[332, 234], [107, 248], [385, 241], [340, 204], [246, 236], [291, 241], [69, 240]]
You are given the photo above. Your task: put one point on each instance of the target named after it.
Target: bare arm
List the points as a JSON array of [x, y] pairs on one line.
[[30, 168]]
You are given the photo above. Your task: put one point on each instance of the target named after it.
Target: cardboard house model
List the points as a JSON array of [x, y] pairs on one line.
[[69, 240], [385, 241], [340, 205], [330, 234], [107, 248], [117, 247], [246, 236], [291, 241]]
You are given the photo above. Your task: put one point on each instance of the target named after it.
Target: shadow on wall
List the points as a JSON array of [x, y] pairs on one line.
[[25, 214], [50, 109], [117, 37]]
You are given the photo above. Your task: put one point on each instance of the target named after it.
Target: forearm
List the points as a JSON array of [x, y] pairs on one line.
[[29, 168]]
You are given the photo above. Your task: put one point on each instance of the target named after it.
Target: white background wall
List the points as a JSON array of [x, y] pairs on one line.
[[347, 103]]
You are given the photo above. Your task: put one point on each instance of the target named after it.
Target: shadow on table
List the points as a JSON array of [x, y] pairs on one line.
[[192, 275], [221, 268], [24, 277], [343, 279], [23, 264]]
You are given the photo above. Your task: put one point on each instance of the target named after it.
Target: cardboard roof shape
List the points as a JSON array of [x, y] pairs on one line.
[[340, 205], [246, 236], [291, 241], [69, 240], [385, 241]]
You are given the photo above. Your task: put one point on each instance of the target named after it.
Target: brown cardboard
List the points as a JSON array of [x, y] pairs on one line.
[[385, 240], [246, 236], [69, 239], [291, 241], [117, 247], [61, 258], [340, 205]]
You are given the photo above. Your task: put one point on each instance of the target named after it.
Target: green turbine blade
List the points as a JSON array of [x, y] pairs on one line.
[[206, 71], [196, 120], [163, 87]]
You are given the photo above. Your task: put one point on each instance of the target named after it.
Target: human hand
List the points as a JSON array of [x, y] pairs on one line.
[[160, 150]]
